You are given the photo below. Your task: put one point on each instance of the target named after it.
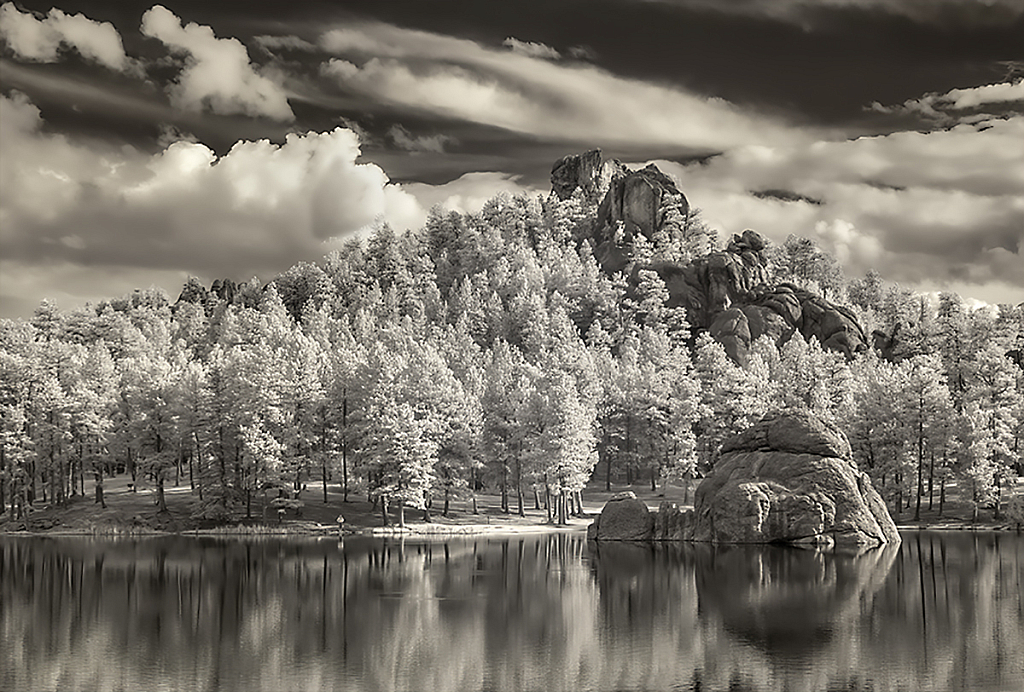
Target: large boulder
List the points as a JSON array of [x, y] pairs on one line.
[[624, 518], [789, 478]]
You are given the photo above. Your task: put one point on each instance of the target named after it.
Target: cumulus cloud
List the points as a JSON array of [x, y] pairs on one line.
[[40, 40], [944, 206], [462, 79], [531, 49], [217, 73], [257, 209]]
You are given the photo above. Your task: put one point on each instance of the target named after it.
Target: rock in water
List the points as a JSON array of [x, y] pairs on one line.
[[624, 518], [786, 479], [789, 478]]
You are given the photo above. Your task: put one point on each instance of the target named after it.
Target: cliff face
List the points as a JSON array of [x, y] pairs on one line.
[[726, 293]]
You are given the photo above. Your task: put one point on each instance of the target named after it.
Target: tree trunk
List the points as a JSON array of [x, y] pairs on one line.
[[920, 462], [161, 501], [629, 445], [401, 514], [99, 490], [472, 483], [323, 473], [547, 498], [384, 511], [607, 470], [3, 474], [504, 486], [344, 449], [654, 486], [519, 482], [447, 494], [942, 495], [931, 480]]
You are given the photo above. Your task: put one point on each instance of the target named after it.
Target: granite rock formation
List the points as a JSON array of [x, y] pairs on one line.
[[727, 293], [786, 479], [589, 171], [624, 518]]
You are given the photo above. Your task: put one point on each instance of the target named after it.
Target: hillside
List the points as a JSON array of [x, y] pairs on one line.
[[510, 352]]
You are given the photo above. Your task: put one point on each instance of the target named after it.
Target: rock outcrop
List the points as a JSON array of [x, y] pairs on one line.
[[725, 293], [786, 479], [624, 518], [636, 203], [589, 171]]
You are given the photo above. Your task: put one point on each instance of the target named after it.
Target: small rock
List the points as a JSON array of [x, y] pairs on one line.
[[624, 518]]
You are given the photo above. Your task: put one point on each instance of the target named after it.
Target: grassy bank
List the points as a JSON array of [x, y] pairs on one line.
[[134, 512]]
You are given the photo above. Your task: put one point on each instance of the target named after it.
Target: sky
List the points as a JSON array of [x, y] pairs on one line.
[[141, 144]]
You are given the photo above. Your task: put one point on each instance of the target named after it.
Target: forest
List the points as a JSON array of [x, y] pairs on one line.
[[489, 352]]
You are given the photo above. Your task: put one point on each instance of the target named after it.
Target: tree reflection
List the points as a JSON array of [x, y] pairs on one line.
[[534, 612]]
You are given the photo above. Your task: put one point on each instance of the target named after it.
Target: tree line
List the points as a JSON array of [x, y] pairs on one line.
[[486, 351]]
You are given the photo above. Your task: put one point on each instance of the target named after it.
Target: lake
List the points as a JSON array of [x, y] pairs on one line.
[[943, 611]]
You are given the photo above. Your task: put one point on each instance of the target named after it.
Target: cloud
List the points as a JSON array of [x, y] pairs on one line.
[[461, 79], [217, 74], [71, 285], [468, 193], [403, 139], [285, 43], [936, 12], [256, 210], [40, 40], [944, 206], [530, 49], [938, 105]]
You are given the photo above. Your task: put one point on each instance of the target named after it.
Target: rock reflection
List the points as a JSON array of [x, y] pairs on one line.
[[787, 602], [941, 612]]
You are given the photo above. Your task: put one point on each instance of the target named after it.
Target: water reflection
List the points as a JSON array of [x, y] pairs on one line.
[[941, 612]]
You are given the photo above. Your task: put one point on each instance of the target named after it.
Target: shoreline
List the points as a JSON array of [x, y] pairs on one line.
[[311, 530]]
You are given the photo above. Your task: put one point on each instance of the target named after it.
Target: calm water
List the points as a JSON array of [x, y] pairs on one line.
[[944, 611]]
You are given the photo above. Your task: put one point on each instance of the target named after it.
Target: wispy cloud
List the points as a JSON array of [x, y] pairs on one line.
[[938, 106], [462, 79], [405, 140], [218, 73], [531, 49], [41, 40], [939, 12]]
